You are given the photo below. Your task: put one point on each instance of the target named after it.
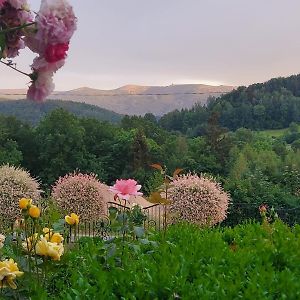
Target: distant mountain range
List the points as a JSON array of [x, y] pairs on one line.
[[134, 99], [32, 112]]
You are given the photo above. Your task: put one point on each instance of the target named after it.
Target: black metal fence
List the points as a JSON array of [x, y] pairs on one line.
[[155, 219], [240, 212]]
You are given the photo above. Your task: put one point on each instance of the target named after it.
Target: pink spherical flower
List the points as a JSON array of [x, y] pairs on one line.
[[126, 188]]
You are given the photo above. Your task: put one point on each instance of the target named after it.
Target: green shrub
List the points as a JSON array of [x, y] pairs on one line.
[[249, 261]]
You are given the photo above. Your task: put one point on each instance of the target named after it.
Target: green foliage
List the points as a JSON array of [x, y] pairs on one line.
[[32, 112], [247, 261], [62, 143], [271, 105], [153, 183]]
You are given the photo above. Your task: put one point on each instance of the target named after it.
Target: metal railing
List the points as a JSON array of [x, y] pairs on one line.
[[155, 220]]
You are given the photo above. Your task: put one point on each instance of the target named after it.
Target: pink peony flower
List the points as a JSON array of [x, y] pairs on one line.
[[55, 25], [2, 3], [13, 13], [41, 87], [126, 188], [18, 4], [41, 65], [54, 53]]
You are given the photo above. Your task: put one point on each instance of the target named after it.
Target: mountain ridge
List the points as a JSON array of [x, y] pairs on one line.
[[135, 99]]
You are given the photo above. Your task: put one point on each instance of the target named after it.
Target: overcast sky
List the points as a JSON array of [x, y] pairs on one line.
[[160, 42]]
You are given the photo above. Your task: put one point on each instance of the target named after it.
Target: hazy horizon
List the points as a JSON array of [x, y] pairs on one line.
[[159, 43]]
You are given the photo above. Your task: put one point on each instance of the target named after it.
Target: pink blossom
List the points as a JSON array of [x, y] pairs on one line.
[[41, 87], [126, 188], [2, 3], [55, 25], [18, 4], [13, 14], [57, 52], [41, 65]]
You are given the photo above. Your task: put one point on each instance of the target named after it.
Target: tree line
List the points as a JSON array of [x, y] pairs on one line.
[[271, 105], [252, 166]]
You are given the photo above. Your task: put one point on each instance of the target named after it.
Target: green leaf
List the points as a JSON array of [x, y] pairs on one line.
[[2, 42], [59, 226], [136, 248], [144, 241], [122, 218], [111, 249], [112, 212], [139, 231]]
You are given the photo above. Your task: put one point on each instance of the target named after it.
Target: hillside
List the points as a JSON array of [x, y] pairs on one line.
[[32, 112], [136, 100], [270, 105]]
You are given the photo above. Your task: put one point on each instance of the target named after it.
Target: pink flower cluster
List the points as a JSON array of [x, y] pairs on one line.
[[126, 188], [55, 25], [81, 194], [14, 13], [198, 199]]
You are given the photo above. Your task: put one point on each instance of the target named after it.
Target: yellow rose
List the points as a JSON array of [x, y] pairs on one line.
[[52, 250], [41, 247], [34, 212], [53, 237], [73, 219], [56, 238], [55, 251], [47, 230], [24, 203], [8, 272]]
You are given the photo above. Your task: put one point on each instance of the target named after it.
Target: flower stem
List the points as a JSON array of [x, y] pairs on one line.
[[8, 64], [4, 31]]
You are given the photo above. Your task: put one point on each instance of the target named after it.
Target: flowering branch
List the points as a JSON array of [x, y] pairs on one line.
[[54, 25], [10, 65], [6, 30]]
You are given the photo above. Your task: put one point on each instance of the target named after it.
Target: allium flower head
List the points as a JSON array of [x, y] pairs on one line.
[[124, 188], [81, 194], [2, 240], [15, 183], [198, 199]]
